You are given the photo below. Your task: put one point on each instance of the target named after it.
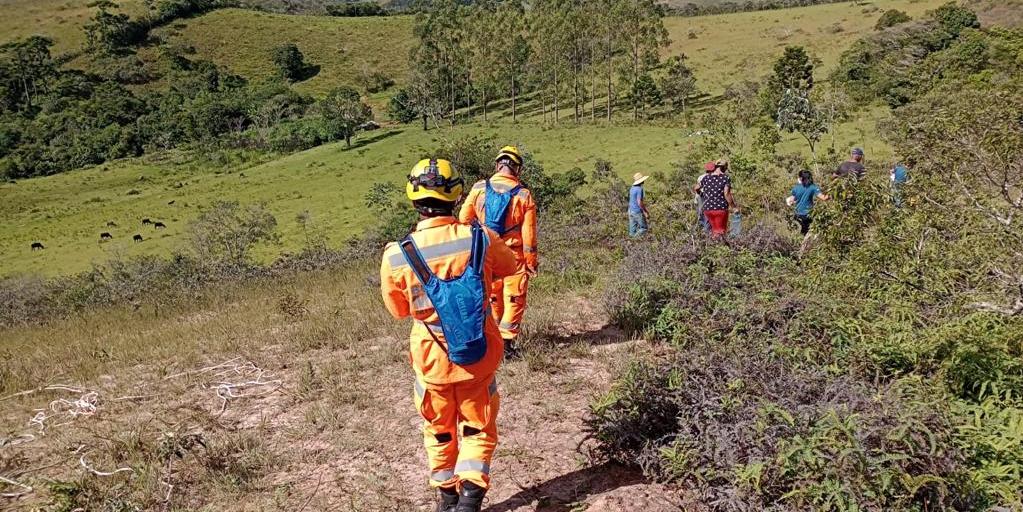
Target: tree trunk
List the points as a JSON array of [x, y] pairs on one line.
[[575, 93], [348, 139], [593, 92], [484, 103], [610, 70], [468, 98], [451, 91], [635, 78], [557, 106], [513, 91], [543, 103], [425, 127]]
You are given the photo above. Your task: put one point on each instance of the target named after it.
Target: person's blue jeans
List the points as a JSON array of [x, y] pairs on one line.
[[637, 224]]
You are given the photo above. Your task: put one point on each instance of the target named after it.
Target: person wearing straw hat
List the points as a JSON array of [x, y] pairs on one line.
[[638, 214]]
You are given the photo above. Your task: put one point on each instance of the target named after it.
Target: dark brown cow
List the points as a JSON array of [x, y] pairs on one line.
[[159, 225], [146, 222], [137, 238], [106, 236], [37, 246]]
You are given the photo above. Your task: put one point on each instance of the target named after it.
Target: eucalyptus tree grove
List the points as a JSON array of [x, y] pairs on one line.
[[551, 55]]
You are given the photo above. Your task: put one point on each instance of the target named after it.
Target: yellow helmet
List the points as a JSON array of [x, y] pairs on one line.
[[434, 178], [511, 152]]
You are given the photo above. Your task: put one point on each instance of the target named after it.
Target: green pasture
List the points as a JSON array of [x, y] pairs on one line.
[[67, 212], [60, 20], [727, 48], [242, 41]]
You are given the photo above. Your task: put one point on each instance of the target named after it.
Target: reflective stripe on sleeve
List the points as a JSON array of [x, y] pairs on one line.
[[526, 248], [492, 388], [508, 326], [420, 390], [432, 252], [472, 465]]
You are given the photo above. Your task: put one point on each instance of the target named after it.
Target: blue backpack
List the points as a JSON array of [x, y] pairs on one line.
[[495, 208], [458, 301]]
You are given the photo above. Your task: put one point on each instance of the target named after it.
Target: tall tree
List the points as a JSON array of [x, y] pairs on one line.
[[513, 50], [344, 111], [797, 114], [25, 68], [642, 25], [679, 83], [792, 71], [578, 35], [484, 61]]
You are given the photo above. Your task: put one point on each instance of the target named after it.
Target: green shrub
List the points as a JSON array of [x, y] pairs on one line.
[[890, 18], [733, 422]]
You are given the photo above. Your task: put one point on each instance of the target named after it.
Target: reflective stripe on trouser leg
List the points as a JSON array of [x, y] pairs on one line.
[[437, 406], [516, 288], [478, 405]]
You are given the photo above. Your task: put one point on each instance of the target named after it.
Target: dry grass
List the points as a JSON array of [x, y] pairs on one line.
[[325, 422]]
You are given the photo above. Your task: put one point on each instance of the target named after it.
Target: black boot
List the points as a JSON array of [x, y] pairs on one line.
[[470, 498], [511, 352], [448, 500]]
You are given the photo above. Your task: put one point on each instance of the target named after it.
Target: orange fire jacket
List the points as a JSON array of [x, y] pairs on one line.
[[446, 245], [520, 220]]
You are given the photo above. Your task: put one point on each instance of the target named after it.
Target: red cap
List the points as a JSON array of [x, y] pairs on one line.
[[710, 166]]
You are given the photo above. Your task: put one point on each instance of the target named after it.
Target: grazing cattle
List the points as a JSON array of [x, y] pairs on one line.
[[111, 224], [137, 238], [170, 202], [159, 225], [106, 236], [37, 246], [146, 222]]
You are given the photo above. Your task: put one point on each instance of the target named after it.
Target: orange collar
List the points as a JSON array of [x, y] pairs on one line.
[[506, 177], [435, 222]]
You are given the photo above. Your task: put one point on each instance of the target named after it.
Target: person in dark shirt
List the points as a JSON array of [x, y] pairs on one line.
[[852, 167], [716, 190]]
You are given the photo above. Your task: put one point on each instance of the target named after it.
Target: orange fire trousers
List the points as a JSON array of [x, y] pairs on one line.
[[508, 303], [460, 430]]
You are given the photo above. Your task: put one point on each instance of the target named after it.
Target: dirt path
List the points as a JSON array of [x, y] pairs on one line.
[[326, 430]]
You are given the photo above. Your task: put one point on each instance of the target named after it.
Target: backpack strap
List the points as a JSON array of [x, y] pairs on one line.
[[479, 247], [415, 260]]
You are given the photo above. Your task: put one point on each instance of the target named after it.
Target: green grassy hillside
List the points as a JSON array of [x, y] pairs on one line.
[[735, 46], [242, 41], [67, 212], [60, 20], [729, 46]]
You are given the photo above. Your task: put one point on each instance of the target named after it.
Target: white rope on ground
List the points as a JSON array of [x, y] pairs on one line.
[[39, 421], [16, 440], [25, 488], [81, 460], [85, 405], [226, 390], [51, 387], [225, 364]]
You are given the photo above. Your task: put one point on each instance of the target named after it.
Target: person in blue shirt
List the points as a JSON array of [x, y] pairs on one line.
[[638, 215], [802, 197], [899, 177]]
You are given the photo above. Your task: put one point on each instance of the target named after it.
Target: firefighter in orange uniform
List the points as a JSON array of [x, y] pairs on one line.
[[505, 206], [440, 276]]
